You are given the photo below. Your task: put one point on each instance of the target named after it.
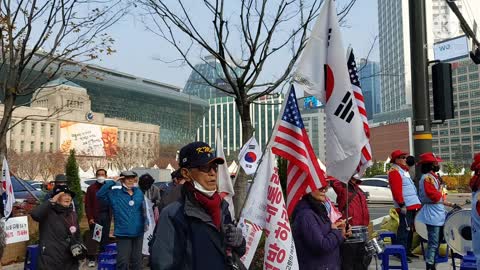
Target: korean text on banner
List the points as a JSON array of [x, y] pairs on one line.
[[265, 209], [16, 230]]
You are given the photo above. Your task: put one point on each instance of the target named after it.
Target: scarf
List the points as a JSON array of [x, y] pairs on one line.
[[211, 205]]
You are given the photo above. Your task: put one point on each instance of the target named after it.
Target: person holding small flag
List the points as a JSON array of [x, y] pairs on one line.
[[317, 238], [197, 232]]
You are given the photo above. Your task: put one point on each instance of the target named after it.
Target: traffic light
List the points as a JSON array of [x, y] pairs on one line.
[[475, 56], [442, 91]]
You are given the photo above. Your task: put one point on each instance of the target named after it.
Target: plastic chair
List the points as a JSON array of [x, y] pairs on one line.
[[395, 250], [107, 265], [31, 258], [391, 235], [107, 256], [438, 257], [111, 247]]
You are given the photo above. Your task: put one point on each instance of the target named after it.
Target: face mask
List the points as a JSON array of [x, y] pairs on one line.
[[436, 168], [101, 179], [208, 193]]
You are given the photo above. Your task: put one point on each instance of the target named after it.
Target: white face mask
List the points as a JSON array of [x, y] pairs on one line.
[[101, 179], [208, 193]]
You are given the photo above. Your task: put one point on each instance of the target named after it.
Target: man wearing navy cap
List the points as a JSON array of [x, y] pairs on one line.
[[197, 232]]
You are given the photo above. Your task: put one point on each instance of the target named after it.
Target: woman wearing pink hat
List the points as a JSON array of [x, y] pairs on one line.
[[433, 211]]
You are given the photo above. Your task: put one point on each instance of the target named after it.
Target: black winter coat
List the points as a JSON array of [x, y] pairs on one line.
[[55, 236]]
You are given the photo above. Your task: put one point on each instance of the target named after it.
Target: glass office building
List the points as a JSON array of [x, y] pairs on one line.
[[369, 75]]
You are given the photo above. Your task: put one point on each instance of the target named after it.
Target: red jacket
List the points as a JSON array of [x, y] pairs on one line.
[[431, 191], [395, 181], [357, 207], [93, 206]]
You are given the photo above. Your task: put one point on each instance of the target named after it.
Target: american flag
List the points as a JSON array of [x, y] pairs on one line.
[[290, 141], [366, 159]]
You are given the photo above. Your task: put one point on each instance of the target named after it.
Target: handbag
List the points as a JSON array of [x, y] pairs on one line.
[[77, 248]]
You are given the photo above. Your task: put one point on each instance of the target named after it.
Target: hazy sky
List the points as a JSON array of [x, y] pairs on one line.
[[137, 48]]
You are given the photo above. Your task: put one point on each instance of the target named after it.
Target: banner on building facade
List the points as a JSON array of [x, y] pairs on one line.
[[88, 139]]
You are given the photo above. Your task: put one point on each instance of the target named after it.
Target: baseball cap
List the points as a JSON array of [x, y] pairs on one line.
[[63, 189], [197, 154]]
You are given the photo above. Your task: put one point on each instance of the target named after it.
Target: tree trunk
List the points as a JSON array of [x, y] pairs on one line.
[[241, 183], [9, 102]]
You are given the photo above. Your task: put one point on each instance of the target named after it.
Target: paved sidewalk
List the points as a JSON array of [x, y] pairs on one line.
[[416, 264]]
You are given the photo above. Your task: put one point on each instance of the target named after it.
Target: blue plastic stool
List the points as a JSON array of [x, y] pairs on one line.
[[438, 258], [107, 265], [391, 235], [111, 247], [398, 250], [107, 256], [468, 266], [31, 258]]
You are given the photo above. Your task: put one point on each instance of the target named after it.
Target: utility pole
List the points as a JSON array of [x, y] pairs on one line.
[[422, 135]]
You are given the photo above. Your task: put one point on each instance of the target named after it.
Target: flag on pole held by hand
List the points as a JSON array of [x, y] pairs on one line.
[[322, 72], [249, 156], [8, 195], [225, 186], [366, 158], [265, 211], [290, 141]]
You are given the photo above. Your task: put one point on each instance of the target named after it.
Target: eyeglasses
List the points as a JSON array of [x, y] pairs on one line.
[[402, 157], [207, 168]]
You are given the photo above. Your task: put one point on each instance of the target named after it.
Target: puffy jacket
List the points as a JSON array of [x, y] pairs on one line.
[[54, 244], [187, 239], [357, 207], [129, 219], [317, 244]]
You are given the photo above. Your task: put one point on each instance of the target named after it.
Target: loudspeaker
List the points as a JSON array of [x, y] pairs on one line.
[[443, 107]]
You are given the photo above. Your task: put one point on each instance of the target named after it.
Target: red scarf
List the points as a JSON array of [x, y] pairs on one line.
[[212, 205]]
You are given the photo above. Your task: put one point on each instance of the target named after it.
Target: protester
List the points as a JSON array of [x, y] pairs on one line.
[[405, 199], [127, 203], [98, 212], [354, 255], [175, 192], [432, 212], [317, 239], [475, 212], [152, 192], [59, 229], [60, 180], [197, 232]]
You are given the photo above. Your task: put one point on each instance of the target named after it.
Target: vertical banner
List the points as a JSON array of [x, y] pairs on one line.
[[8, 195], [147, 236], [265, 210]]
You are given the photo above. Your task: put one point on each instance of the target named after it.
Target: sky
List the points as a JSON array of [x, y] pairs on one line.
[[139, 50]]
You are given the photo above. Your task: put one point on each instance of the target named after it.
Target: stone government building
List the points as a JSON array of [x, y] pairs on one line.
[[105, 107]]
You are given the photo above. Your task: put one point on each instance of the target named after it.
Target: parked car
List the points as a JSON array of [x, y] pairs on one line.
[[84, 184], [384, 176], [378, 189], [35, 184], [22, 189]]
